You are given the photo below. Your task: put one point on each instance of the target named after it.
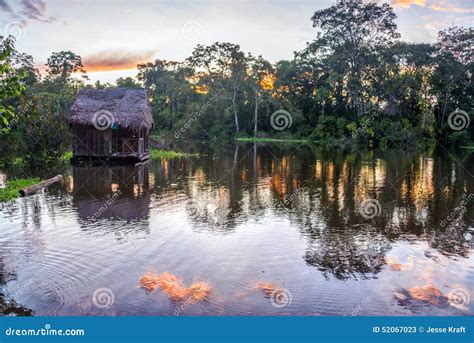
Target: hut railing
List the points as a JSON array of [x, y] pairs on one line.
[[132, 146], [129, 146]]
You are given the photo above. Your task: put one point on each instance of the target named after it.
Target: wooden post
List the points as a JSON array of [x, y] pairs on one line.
[[32, 189]]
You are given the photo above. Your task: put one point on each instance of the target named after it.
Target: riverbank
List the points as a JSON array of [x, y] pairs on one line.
[[13, 187], [270, 140], [167, 154]]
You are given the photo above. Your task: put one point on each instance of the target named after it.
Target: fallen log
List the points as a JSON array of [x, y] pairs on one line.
[[32, 189]]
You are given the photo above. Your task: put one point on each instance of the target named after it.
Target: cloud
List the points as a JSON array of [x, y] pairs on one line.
[[4, 6], [35, 10], [28, 10], [116, 60], [438, 6], [450, 8], [408, 3]]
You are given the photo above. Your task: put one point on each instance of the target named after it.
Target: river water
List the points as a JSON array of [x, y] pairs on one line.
[[270, 232]]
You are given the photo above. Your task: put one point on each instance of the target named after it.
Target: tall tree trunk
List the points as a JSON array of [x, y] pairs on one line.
[[445, 107], [236, 117], [255, 126], [173, 103]]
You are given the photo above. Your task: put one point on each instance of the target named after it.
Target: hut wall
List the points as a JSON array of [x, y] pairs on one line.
[[117, 142], [88, 141], [127, 143]]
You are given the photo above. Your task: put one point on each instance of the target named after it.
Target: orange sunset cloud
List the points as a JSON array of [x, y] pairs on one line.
[[116, 60], [408, 3]]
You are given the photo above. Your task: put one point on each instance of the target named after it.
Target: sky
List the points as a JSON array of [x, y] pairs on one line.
[[112, 36]]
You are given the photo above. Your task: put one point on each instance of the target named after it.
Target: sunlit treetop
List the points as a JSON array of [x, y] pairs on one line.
[[201, 89], [267, 82]]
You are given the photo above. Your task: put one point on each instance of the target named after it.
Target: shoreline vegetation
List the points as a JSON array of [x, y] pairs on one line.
[[66, 156], [363, 90], [169, 154], [11, 191], [271, 140]]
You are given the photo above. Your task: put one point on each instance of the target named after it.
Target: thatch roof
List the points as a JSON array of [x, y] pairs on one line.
[[128, 107]]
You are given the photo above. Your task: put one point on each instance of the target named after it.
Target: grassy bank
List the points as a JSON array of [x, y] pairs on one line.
[[66, 156], [13, 186], [166, 154], [270, 140]]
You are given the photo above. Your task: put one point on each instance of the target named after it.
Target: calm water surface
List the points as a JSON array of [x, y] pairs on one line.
[[241, 218]]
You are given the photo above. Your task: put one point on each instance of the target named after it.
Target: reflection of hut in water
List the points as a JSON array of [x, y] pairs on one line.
[[111, 192]]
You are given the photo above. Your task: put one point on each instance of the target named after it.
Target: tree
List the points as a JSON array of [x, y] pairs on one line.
[[349, 33], [12, 80], [100, 85], [452, 79], [221, 67], [261, 81], [401, 75], [44, 129], [167, 84], [61, 65], [24, 65], [127, 82], [457, 41], [59, 79]]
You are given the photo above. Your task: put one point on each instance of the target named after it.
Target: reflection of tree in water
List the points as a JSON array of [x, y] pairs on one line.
[[346, 254], [210, 209], [322, 196], [216, 189], [230, 190], [411, 206], [9, 307]]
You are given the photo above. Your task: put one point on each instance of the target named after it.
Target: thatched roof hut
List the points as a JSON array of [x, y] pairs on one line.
[[129, 107], [111, 123]]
